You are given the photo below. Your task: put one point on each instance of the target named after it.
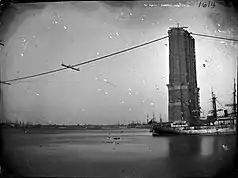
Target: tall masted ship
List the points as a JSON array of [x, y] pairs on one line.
[[213, 125]]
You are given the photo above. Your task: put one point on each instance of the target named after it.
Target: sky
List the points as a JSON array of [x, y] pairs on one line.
[[122, 88]]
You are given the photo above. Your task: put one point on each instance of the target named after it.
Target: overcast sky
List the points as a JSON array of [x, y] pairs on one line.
[[39, 37]]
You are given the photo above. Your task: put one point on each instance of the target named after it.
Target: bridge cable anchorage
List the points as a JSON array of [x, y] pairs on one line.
[[86, 62]]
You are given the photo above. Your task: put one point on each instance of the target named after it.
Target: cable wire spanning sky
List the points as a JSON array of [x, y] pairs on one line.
[[125, 87], [101, 58], [83, 63]]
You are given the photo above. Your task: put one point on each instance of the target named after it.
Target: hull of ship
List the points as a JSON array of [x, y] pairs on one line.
[[161, 131]]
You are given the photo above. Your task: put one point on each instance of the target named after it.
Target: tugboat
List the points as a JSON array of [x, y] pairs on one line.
[[213, 125]]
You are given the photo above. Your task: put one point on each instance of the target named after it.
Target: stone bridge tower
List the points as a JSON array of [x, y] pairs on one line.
[[182, 87]]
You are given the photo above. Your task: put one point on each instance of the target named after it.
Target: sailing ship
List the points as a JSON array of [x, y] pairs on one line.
[[213, 125], [153, 121]]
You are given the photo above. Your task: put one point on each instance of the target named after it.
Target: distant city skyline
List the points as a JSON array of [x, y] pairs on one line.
[[40, 37]]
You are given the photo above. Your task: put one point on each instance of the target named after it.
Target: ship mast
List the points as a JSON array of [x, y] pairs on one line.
[[1, 98], [214, 105], [153, 116], [234, 104], [237, 100], [234, 99], [147, 118], [160, 119]]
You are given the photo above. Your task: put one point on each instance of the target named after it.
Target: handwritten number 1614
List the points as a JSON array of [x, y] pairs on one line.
[[205, 4]]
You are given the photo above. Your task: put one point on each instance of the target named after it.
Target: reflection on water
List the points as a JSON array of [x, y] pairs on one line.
[[164, 147], [196, 146], [85, 153], [207, 146], [181, 146], [200, 155]]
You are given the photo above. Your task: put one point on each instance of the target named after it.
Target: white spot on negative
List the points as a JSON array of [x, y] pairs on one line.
[[152, 104], [143, 82]]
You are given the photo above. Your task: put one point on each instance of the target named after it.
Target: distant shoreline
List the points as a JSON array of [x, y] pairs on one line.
[[62, 130], [75, 127]]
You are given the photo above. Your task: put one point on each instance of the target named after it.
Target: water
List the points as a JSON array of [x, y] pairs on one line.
[[135, 154]]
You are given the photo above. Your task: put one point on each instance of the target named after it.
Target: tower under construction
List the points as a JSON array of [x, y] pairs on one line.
[[182, 87]]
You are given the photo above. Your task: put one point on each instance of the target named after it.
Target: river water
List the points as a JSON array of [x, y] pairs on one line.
[[135, 154]]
